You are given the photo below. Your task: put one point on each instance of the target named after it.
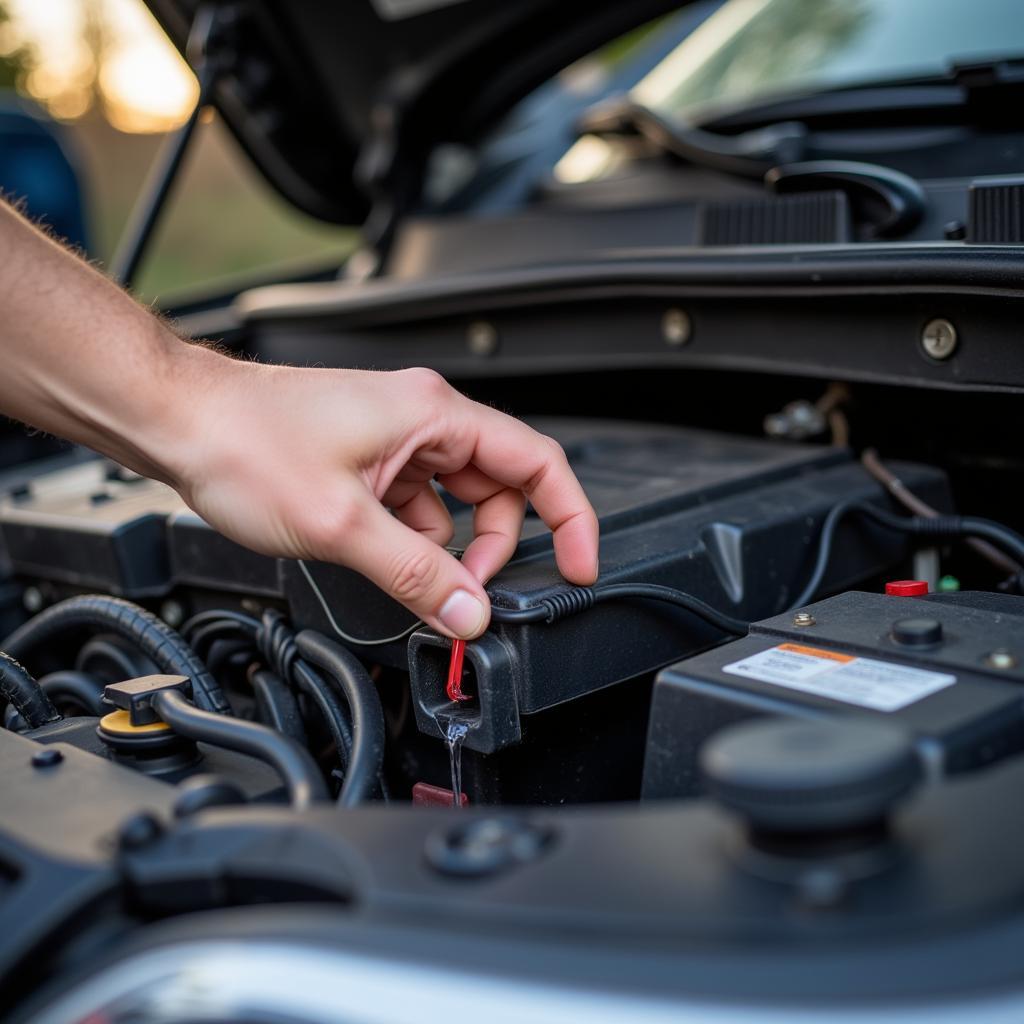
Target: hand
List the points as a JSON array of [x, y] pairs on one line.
[[305, 463]]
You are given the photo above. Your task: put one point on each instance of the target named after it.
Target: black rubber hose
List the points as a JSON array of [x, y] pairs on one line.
[[153, 637], [111, 659], [292, 762], [276, 641], [218, 615], [333, 711], [277, 705], [579, 599], [24, 694], [76, 687], [202, 640], [365, 765]]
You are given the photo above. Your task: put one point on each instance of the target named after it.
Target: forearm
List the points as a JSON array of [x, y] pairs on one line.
[[294, 463], [85, 362]]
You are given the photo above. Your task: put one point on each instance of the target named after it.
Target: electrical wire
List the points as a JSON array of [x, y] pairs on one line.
[[347, 637], [570, 602], [871, 461], [937, 527]]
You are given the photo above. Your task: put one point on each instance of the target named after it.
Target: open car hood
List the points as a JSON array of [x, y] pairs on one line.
[[340, 101]]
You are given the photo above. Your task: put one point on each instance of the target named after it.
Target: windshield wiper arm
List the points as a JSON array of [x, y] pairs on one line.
[[749, 155]]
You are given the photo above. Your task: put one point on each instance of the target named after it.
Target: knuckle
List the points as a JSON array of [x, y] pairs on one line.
[[413, 576], [427, 382], [556, 449], [333, 525]]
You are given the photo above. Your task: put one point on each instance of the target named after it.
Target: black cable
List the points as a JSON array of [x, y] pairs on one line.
[[825, 539], [956, 527], [276, 641], [77, 688], [277, 705], [202, 640], [292, 762], [941, 527], [24, 694], [218, 615], [571, 602], [223, 651], [150, 635], [362, 779]]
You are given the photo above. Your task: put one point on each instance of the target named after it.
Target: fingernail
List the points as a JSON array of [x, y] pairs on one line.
[[462, 613]]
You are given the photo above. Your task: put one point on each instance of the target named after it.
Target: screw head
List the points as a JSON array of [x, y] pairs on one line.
[[487, 846], [804, 619], [939, 338], [1001, 659], [482, 338], [48, 757], [676, 327], [139, 830]]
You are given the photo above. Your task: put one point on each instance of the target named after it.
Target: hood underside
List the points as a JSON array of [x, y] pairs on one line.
[[339, 103]]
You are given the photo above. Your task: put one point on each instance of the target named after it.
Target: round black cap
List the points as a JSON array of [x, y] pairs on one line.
[[789, 775], [917, 632]]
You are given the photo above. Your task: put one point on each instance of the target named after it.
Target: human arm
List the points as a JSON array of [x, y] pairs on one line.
[[291, 462]]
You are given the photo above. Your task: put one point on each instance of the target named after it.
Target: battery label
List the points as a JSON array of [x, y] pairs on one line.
[[879, 685]]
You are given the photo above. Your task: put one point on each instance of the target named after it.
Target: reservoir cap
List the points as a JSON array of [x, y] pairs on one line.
[[906, 588]]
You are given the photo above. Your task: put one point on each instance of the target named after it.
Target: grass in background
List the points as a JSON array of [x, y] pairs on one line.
[[222, 222]]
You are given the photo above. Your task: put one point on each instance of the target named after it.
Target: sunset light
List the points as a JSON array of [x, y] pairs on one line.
[[107, 52]]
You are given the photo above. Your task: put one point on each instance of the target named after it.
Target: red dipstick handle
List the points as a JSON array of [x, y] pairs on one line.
[[454, 687]]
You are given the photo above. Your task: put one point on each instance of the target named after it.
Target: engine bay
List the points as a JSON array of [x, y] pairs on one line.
[[778, 677]]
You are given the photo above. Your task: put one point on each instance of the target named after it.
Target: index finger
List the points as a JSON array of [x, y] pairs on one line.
[[518, 456]]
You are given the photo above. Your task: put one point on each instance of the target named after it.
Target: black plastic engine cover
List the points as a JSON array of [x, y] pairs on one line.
[[960, 695]]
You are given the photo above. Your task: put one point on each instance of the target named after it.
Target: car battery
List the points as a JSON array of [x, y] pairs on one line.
[[949, 668]]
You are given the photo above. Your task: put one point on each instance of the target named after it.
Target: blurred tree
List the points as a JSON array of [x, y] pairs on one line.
[[16, 55], [97, 39]]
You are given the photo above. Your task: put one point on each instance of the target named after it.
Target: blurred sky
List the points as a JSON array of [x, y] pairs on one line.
[[112, 50]]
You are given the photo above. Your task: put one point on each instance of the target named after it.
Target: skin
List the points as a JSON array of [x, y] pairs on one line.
[[288, 461]]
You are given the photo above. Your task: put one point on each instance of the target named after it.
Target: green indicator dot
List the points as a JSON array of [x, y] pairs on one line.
[[949, 585]]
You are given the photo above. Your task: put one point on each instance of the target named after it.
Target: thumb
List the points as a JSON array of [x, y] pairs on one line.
[[417, 573]]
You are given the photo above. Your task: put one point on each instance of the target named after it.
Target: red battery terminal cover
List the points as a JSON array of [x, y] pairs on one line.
[[454, 685], [906, 588]]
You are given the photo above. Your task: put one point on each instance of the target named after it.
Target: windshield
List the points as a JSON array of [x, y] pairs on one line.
[[750, 50]]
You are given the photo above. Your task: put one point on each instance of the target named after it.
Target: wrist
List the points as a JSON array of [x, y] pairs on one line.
[[181, 411]]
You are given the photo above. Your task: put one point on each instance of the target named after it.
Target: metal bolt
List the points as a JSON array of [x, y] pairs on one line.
[[32, 599], [804, 619], [1001, 659], [47, 758], [139, 830], [675, 328], [482, 338], [172, 613], [939, 338]]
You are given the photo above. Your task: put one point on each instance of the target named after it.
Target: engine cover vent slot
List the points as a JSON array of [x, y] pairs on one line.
[[996, 211], [814, 218]]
